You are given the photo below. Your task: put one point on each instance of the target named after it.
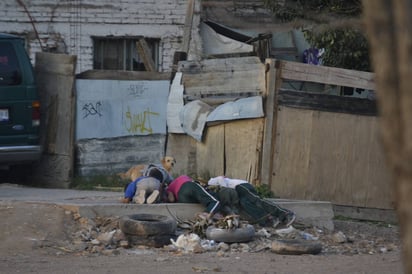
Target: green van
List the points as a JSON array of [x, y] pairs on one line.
[[19, 105]]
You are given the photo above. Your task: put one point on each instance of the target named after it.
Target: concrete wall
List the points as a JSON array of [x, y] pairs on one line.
[[119, 123], [109, 156], [114, 108], [67, 26]]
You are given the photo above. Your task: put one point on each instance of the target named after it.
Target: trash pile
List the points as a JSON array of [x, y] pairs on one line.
[[102, 236]]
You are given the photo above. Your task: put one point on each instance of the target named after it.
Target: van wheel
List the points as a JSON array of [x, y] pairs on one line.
[[147, 225]]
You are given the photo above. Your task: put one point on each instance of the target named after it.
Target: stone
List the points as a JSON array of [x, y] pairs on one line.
[[339, 237]]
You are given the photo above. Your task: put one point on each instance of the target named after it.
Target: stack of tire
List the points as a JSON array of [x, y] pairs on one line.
[[148, 229]]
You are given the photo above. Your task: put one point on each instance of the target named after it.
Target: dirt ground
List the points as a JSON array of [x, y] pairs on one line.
[[38, 238]]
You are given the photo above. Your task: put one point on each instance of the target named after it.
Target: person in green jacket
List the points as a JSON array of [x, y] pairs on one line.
[[240, 196]]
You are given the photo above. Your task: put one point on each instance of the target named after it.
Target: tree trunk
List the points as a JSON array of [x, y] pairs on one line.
[[389, 30]]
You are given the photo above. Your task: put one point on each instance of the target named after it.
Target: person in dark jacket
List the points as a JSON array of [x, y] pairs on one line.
[[184, 189], [248, 201]]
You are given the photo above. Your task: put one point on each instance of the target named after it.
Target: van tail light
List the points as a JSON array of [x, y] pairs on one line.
[[35, 113]]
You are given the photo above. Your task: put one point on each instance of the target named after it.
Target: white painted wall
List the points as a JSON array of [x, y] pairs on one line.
[[113, 108], [67, 26]]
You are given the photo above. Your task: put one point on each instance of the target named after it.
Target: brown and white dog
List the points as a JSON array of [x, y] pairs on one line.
[[137, 170]]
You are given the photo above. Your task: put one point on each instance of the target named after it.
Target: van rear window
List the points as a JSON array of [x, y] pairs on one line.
[[10, 72]]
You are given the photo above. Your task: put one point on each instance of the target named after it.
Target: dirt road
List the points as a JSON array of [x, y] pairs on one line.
[[36, 238], [159, 262]]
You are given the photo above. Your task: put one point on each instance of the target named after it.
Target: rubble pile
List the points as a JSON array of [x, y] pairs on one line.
[[102, 236]]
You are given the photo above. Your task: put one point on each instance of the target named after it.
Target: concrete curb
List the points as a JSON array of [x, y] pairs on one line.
[[92, 204]]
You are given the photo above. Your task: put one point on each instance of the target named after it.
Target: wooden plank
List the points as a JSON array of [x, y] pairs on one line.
[[268, 137], [145, 53], [326, 75], [345, 165], [217, 99], [234, 84], [210, 155], [325, 102], [338, 158], [243, 146], [330, 155], [254, 80], [221, 65], [224, 90], [183, 148], [291, 156], [123, 75], [217, 77], [231, 55]]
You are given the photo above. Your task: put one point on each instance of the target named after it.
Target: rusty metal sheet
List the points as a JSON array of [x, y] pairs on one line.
[[193, 118], [251, 107]]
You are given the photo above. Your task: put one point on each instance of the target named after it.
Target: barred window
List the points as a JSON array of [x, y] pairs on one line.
[[121, 53]]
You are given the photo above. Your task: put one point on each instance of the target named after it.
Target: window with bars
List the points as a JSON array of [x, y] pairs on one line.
[[121, 53]]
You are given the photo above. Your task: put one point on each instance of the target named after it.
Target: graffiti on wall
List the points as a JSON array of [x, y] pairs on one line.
[[139, 122], [92, 109], [113, 108]]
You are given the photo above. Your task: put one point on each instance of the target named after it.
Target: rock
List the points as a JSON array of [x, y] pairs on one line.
[[76, 216], [223, 246], [161, 259], [198, 248], [124, 244], [97, 249], [244, 247], [118, 236], [221, 253], [107, 252], [106, 238], [339, 237], [234, 246]]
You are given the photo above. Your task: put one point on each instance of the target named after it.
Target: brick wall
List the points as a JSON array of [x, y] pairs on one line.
[[67, 26]]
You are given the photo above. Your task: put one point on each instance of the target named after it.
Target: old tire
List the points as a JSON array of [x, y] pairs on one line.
[[147, 225], [238, 235], [296, 247]]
